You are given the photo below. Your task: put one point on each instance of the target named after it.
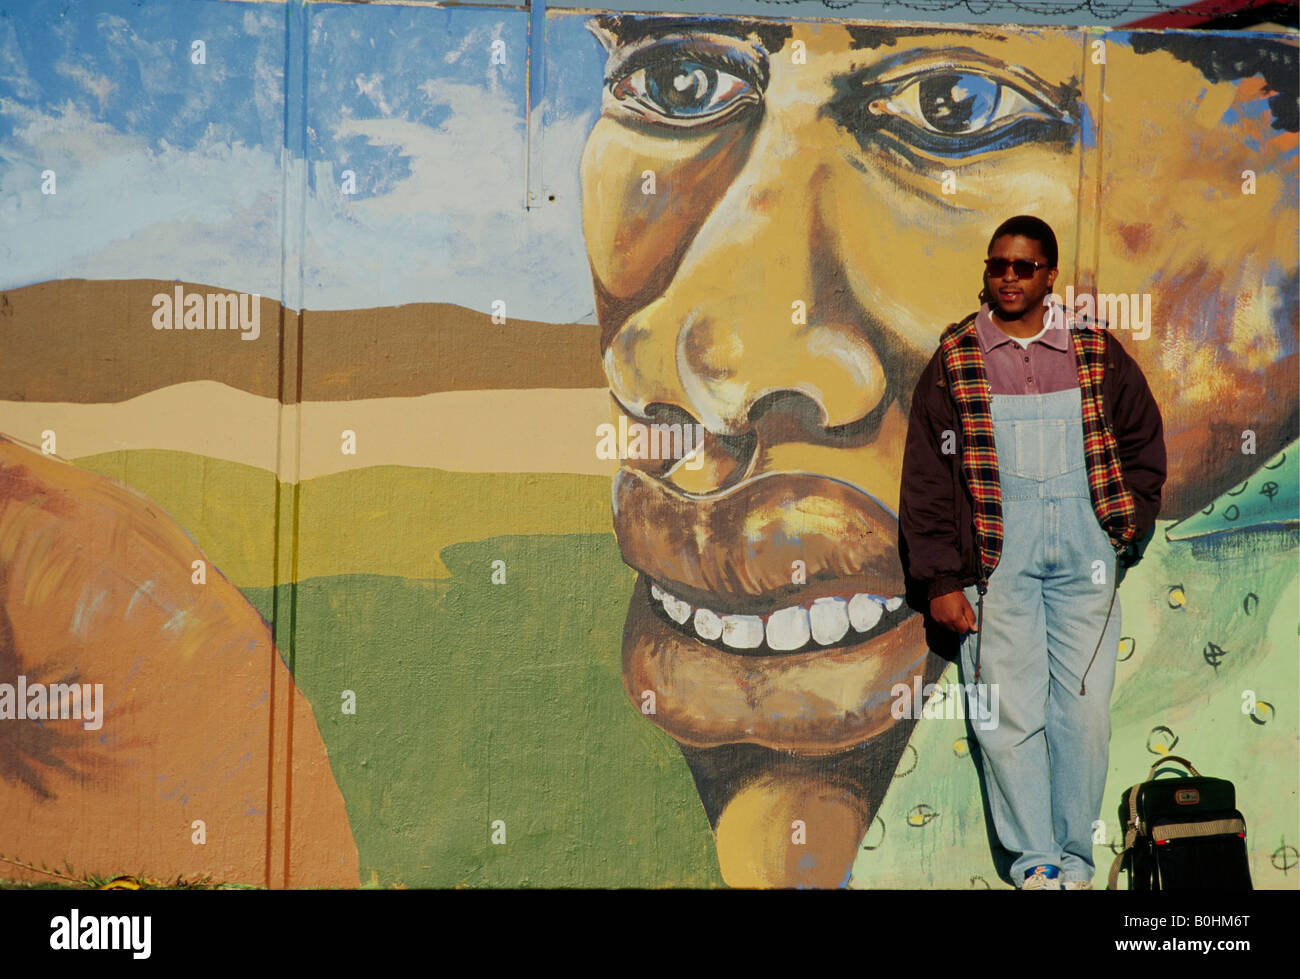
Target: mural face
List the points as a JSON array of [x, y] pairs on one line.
[[824, 197]]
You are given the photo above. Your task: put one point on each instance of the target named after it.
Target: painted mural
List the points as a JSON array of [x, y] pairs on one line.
[[412, 421]]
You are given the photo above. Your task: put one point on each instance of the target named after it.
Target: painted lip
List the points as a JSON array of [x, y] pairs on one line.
[[735, 553], [739, 547]]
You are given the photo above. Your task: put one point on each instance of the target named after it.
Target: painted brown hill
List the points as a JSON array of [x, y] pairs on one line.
[[88, 341], [200, 715]]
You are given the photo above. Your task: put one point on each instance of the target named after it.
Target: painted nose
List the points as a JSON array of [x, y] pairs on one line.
[[757, 306]]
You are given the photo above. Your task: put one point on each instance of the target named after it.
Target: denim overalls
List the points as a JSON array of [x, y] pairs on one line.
[[1046, 759]]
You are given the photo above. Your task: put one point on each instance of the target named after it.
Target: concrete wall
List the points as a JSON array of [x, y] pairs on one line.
[[450, 235]]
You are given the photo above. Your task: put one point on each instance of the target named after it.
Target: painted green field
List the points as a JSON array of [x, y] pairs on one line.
[[478, 702]]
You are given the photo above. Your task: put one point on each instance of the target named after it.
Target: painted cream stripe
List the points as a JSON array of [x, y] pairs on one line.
[[522, 430]]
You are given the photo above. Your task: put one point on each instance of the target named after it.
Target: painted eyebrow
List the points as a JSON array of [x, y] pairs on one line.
[[773, 35], [627, 28]]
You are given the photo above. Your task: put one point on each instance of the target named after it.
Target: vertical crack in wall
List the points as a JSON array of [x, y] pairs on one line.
[[293, 169], [534, 82]]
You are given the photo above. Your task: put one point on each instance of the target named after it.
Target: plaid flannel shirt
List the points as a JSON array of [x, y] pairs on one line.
[[1125, 470]]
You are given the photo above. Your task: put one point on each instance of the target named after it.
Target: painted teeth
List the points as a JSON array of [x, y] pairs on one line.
[[788, 629], [677, 610], [708, 625], [864, 612], [742, 631], [827, 621], [830, 620]]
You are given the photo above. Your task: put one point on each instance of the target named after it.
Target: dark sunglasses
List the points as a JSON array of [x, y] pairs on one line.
[[997, 267]]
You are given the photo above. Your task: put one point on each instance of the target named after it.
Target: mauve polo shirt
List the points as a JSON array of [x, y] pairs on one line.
[[1038, 365]]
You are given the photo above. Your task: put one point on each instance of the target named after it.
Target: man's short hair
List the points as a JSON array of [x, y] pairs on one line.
[[1035, 229]]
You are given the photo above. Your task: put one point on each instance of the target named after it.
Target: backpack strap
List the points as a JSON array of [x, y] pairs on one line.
[[1131, 830]]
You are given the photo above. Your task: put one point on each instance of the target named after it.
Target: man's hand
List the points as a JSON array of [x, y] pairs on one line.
[[952, 611]]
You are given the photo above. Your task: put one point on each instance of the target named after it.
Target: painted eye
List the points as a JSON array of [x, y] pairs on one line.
[[953, 112], [684, 89]]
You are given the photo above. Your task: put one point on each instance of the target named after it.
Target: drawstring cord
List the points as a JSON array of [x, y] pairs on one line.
[[982, 585], [1114, 581]]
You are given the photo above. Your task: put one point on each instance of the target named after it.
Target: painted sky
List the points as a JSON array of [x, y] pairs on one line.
[[169, 169], [229, 173]]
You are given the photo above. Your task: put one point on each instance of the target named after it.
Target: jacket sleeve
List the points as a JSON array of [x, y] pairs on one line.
[[1139, 434], [926, 509]]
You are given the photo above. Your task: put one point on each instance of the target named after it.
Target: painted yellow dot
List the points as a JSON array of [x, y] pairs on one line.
[[921, 815], [121, 884]]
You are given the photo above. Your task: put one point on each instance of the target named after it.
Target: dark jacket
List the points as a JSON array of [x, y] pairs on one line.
[[936, 510]]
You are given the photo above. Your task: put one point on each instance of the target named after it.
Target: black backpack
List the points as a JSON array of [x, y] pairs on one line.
[[1182, 834]]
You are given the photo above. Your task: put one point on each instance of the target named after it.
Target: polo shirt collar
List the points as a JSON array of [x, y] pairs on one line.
[[990, 336]]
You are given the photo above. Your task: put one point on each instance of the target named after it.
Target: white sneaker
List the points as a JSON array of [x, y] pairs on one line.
[[1043, 878]]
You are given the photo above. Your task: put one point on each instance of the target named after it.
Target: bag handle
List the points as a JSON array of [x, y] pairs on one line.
[[1168, 758], [1132, 826]]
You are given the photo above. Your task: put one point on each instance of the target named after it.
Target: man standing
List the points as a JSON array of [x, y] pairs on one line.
[[1032, 472]]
